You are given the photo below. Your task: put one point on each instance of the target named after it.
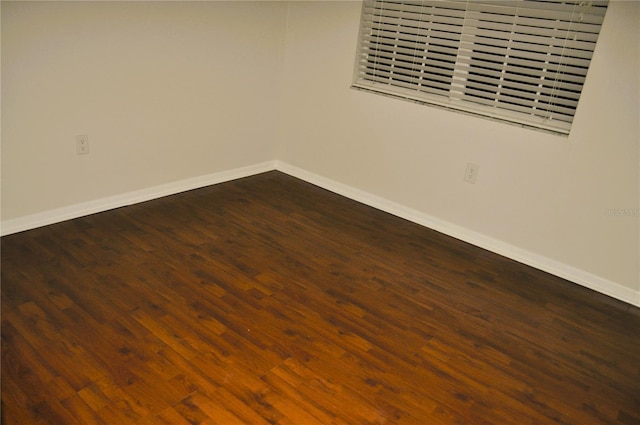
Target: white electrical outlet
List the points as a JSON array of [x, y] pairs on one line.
[[82, 144], [471, 173]]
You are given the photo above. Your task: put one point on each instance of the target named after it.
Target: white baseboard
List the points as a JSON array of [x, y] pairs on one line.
[[564, 271], [540, 262], [57, 215]]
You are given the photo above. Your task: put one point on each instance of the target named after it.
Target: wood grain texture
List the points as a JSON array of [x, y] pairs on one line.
[[267, 300]]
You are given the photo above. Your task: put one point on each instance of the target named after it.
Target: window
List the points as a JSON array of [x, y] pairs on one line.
[[521, 61]]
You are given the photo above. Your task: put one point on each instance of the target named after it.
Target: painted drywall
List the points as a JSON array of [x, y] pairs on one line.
[[166, 91], [568, 201]]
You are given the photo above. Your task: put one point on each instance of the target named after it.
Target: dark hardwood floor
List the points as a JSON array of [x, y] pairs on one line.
[[267, 300]]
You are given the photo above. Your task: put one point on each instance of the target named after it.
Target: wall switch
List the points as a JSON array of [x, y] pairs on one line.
[[82, 144], [471, 173]]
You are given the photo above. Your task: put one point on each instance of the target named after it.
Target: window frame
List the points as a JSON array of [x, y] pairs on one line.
[[523, 62]]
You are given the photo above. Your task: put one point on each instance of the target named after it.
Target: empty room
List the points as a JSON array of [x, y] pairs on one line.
[[320, 212]]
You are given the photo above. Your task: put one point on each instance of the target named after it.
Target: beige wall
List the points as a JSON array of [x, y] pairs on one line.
[[165, 91], [538, 193], [169, 91]]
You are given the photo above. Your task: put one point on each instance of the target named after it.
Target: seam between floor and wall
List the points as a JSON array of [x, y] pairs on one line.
[[57, 215], [556, 268], [572, 274]]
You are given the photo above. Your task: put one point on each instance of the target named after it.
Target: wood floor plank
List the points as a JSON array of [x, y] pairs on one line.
[[267, 300]]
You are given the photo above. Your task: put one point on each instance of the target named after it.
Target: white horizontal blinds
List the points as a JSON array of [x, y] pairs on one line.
[[410, 45], [522, 60], [527, 57]]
